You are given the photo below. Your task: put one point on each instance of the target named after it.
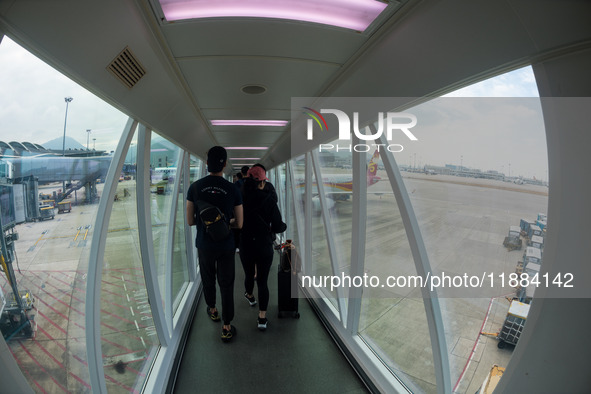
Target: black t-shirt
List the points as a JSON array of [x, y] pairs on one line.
[[262, 218], [224, 195]]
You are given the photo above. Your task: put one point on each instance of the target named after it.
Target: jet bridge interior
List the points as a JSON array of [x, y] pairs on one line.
[[190, 74]]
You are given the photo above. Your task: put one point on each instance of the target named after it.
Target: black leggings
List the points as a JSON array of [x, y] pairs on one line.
[[262, 256], [220, 263]]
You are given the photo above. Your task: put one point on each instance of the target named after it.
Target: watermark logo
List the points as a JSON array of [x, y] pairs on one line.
[[387, 124], [315, 115]]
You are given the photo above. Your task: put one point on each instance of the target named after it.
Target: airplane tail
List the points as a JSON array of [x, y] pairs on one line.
[[372, 169]]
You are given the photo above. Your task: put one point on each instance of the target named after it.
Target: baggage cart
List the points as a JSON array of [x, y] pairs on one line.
[[513, 325], [64, 206], [532, 255], [46, 212], [534, 229], [524, 225], [532, 269], [512, 241], [536, 242]]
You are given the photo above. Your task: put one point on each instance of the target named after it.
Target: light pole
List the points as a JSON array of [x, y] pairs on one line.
[[87, 137], [68, 101], [94, 144]]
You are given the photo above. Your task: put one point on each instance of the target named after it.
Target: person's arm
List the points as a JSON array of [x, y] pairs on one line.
[[238, 216], [277, 225], [190, 213]]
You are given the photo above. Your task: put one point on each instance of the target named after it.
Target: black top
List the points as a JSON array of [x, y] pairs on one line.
[[262, 218], [224, 195]]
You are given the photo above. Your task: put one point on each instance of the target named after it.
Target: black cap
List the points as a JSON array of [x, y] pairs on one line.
[[216, 157]]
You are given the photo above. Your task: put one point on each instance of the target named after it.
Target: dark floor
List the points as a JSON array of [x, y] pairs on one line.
[[292, 356]]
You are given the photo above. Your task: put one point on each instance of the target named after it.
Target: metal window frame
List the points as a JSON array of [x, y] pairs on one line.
[[171, 237], [146, 242], [307, 259], [298, 218], [358, 237], [188, 233], [330, 238], [423, 267], [173, 325], [95, 263]]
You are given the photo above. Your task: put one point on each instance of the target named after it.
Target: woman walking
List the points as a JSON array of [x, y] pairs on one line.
[[262, 220]]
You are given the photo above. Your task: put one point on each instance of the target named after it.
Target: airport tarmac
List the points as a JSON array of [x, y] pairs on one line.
[[53, 263], [463, 227], [463, 223]]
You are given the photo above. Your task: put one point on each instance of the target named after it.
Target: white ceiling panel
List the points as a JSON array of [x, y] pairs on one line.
[[216, 81], [252, 37]]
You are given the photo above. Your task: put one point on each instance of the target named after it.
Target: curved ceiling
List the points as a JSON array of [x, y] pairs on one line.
[[195, 70]]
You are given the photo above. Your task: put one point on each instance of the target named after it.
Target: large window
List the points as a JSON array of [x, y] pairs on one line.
[[56, 153], [97, 209], [442, 205]]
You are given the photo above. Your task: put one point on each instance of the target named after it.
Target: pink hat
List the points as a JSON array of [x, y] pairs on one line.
[[257, 173]]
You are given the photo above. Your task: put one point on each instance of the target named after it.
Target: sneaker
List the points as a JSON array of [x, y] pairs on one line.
[[262, 323], [227, 335], [213, 315], [251, 300]]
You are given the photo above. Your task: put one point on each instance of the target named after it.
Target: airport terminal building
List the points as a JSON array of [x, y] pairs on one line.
[[424, 261]]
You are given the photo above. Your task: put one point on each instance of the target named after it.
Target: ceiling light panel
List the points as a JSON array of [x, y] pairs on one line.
[[349, 14], [276, 123], [246, 148]]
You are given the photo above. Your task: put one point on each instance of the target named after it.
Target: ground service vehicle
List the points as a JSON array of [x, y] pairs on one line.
[[512, 240]]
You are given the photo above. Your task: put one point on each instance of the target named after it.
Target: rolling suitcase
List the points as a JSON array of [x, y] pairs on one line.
[[287, 280]]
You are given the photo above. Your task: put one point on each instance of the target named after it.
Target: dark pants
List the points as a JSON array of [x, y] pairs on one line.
[[211, 261], [262, 256]]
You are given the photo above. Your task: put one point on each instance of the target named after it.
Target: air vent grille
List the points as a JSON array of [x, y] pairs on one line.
[[126, 68]]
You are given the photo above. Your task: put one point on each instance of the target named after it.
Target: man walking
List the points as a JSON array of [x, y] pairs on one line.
[[216, 256]]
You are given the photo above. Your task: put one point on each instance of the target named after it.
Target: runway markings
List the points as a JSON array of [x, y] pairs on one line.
[[63, 348], [118, 383], [58, 294], [26, 371], [41, 367]]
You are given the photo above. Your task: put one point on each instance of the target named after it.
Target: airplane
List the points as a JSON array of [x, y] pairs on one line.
[[343, 183], [339, 187], [163, 173]]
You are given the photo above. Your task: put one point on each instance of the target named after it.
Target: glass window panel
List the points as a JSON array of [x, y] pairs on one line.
[[471, 181], [320, 261], [296, 212], [54, 234], [129, 340], [337, 178], [281, 186], [195, 168], [162, 198], [180, 269], [195, 173], [392, 319]]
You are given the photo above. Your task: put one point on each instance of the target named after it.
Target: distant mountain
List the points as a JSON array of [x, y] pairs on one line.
[[57, 144]]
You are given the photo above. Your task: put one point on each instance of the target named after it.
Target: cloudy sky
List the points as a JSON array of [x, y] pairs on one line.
[[504, 134], [32, 105], [498, 135]]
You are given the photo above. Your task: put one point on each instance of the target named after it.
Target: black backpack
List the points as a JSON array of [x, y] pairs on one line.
[[214, 221]]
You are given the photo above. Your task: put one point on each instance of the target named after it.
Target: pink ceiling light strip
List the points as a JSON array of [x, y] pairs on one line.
[[349, 14], [246, 148], [221, 122]]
